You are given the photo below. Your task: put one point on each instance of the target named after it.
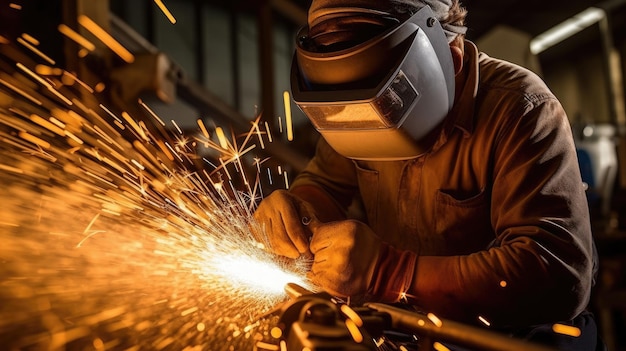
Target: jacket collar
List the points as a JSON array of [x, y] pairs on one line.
[[462, 113]]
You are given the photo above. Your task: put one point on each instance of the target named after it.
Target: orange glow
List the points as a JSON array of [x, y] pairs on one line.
[[276, 333], [221, 137], [33, 139], [288, 120], [47, 70], [134, 124], [99, 87], [352, 315], [30, 39], [439, 347], [203, 128], [10, 169], [21, 92], [436, 321], [73, 35], [165, 11], [357, 336], [566, 330], [46, 124], [267, 129], [35, 50], [73, 137], [257, 130], [73, 78], [98, 344], [44, 83], [107, 224], [106, 38], [266, 346], [154, 115], [189, 311], [34, 75]]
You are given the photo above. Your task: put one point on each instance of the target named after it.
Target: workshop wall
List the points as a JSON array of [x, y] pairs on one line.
[[217, 47]]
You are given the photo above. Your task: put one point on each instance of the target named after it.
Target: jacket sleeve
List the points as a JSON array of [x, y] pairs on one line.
[[540, 268]]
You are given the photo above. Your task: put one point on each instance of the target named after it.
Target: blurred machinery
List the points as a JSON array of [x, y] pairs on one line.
[[155, 73], [597, 158]]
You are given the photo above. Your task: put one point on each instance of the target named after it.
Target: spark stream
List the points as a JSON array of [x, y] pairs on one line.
[[110, 240]]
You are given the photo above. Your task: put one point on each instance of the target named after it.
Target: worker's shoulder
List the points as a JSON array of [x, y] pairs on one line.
[[504, 77]]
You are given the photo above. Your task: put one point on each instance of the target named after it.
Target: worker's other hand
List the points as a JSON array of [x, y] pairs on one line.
[[345, 256], [283, 218], [350, 260]]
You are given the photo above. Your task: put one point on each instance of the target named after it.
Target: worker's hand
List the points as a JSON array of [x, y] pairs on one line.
[[345, 257], [283, 220], [351, 261]]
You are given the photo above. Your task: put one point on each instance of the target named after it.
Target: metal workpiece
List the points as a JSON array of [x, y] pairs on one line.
[[453, 332]]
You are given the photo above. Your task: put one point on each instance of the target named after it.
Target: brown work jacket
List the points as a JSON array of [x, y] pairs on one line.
[[496, 209]]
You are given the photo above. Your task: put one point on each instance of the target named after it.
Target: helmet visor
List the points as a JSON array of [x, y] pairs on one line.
[[387, 110]]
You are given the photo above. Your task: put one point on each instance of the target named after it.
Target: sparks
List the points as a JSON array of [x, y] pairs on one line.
[[106, 38], [356, 334], [263, 277], [433, 318], [112, 239], [484, 321], [566, 330], [32, 48], [165, 11], [440, 347], [288, 119], [77, 38], [351, 314]]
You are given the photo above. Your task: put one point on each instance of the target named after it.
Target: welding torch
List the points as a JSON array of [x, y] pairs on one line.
[[319, 321]]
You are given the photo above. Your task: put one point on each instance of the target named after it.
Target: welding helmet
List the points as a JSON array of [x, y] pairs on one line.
[[381, 98]]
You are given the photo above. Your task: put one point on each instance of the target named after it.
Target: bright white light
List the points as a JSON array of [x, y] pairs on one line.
[[263, 277], [566, 29]]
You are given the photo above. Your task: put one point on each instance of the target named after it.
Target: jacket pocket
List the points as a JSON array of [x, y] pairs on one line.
[[464, 221]]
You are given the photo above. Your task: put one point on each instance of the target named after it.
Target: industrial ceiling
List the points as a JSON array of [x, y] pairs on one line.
[[530, 16]]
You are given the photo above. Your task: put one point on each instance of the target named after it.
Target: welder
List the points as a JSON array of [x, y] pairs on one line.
[[445, 179]]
